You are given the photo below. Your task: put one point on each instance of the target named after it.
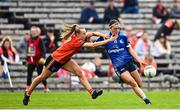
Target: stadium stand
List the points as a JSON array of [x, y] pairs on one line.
[[18, 15]]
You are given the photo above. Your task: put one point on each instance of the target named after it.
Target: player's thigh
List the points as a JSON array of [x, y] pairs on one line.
[[136, 77], [45, 73], [72, 67], [126, 77]]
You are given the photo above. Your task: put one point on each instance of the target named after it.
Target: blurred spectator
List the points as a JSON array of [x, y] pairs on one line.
[[175, 10], [144, 46], [50, 41], [103, 0], [89, 69], [61, 73], [98, 63], [8, 55], [22, 46], [111, 12], [130, 6], [160, 13], [8, 52], [110, 69], [5, 0], [1, 66], [163, 47], [89, 14], [35, 53], [0, 36], [167, 28], [132, 39], [145, 51], [139, 33], [38, 31]]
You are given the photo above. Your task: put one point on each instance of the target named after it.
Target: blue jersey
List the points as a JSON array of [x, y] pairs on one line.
[[118, 50]]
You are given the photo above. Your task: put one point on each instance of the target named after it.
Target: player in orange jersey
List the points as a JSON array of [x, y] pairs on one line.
[[73, 39]]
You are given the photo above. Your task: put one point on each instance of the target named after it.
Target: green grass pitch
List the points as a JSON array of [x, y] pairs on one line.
[[82, 100]]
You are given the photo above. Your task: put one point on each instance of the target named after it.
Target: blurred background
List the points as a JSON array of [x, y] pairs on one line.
[[156, 22]]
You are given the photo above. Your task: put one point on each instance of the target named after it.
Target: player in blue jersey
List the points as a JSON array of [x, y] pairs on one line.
[[122, 55]]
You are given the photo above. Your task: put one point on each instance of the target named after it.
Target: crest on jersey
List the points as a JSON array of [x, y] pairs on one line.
[[121, 41]]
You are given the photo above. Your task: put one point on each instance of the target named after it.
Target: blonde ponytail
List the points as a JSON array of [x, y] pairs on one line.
[[70, 29]]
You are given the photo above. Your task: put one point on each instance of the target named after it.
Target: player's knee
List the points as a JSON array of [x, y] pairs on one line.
[[133, 83]]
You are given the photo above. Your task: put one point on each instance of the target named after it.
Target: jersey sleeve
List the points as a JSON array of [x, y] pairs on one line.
[[100, 39], [127, 43]]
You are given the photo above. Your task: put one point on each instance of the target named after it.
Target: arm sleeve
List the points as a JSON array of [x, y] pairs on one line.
[[100, 39], [126, 40], [42, 46]]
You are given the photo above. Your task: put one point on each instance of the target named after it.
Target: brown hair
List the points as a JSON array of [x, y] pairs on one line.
[[164, 43], [7, 38]]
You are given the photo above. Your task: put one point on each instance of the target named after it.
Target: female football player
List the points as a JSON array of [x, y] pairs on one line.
[[73, 39], [121, 55]]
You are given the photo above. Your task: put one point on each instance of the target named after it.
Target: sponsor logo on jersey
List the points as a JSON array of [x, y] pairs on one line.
[[116, 50]]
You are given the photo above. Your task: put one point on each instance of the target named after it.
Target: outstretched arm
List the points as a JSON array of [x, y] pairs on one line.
[[100, 43], [90, 34], [135, 56]]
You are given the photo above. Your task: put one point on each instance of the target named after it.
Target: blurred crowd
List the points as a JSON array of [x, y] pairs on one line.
[[159, 48], [160, 13]]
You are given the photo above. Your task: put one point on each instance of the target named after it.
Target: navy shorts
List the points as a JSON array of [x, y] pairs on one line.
[[130, 66], [53, 65]]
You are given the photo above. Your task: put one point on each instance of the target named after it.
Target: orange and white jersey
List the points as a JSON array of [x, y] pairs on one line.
[[68, 49]]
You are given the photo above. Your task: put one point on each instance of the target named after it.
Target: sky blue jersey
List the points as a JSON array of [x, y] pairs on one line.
[[118, 50]]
